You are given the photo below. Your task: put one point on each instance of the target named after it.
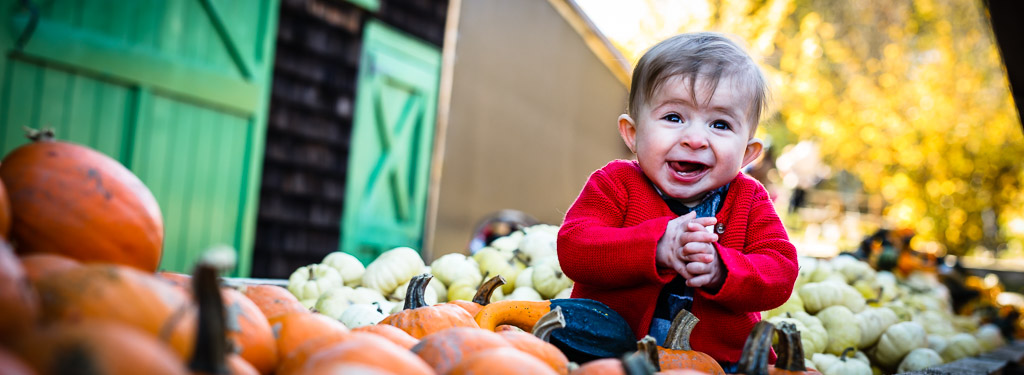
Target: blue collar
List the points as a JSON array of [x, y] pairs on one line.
[[709, 206]]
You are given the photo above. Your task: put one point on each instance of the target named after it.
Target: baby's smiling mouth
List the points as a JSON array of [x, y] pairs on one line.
[[687, 168]]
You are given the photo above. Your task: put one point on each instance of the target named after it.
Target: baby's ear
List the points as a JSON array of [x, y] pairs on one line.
[[753, 151], [627, 129]]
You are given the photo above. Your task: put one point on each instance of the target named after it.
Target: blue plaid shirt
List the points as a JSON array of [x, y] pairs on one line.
[[675, 295]]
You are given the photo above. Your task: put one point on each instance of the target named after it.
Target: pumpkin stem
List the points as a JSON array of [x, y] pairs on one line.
[[39, 135], [548, 323], [649, 346], [415, 296], [754, 360], [790, 349], [637, 363], [844, 355], [484, 292], [211, 347], [678, 337]]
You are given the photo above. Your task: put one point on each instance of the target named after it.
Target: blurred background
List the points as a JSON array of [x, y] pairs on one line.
[[289, 129]]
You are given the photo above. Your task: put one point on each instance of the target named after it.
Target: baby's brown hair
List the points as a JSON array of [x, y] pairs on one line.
[[705, 55]]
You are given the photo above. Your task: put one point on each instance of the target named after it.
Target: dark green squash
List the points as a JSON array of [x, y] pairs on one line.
[[592, 331]]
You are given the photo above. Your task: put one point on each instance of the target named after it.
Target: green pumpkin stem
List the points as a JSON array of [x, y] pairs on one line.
[[637, 363], [789, 348], [548, 323], [37, 135], [484, 292], [754, 359], [844, 356], [415, 296], [678, 337], [211, 346], [648, 346]]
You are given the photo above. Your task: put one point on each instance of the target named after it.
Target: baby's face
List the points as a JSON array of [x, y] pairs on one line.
[[688, 146]]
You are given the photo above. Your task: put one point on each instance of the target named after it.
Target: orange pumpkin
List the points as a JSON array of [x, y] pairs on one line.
[[636, 363], [239, 366], [294, 329], [100, 347], [72, 200], [273, 300], [420, 319], [603, 366], [20, 302], [536, 343], [5, 213], [482, 296], [791, 353], [39, 265], [123, 294], [298, 357], [369, 350], [182, 280], [249, 331], [677, 353], [392, 333], [443, 349], [501, 361]]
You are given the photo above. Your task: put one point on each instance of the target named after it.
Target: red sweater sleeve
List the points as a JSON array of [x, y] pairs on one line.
[[597, 245], [761, 272]]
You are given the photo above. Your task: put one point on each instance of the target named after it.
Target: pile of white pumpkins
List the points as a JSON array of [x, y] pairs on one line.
[[889, 324], [340, 287], [893, 324]]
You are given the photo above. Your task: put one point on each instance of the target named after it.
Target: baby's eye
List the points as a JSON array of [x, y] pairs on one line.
[[672, 117], [721, 125]]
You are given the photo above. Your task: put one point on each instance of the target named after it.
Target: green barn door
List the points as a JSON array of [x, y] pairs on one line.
[[392, 139], [176, 90]]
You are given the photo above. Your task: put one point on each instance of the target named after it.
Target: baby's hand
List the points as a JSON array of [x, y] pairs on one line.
[[703, 264], [677, 235]]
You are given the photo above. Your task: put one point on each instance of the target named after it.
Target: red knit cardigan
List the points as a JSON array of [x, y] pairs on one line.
[[607, 246]]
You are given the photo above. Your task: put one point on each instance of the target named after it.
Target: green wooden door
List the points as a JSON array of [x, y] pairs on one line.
[[176, 90], [392, 139]]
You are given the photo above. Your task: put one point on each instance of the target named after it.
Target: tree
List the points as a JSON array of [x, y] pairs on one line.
[[910, 96]]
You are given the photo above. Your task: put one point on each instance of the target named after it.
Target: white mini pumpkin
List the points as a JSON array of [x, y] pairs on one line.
[[898, 340], [819, 295], [392, 268], [539, 242], [455, 266], [843, 331], [361, 315], [960, 345], [524, 294], [350, 268], [873, 321], [308, 282], [548, 278], [919, 359]]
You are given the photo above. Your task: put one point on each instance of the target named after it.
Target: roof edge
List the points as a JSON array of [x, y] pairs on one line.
[[595, 40]]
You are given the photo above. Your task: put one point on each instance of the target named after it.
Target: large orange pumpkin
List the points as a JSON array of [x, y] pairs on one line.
[[677, 353], [100, 347], [123, 294], [5, 213], [19, 300], [536, 343], [39, 265], [273, 300], [294, 329], [420, 319], [445, 348], [298, 357], [392, 333], [368, 350], [73, 200], [249, 331], [501, 361]]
